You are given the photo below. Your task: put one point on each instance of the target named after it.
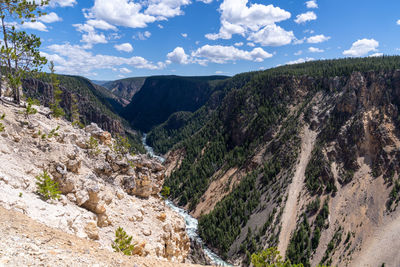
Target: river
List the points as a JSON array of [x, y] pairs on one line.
[[190, 221]]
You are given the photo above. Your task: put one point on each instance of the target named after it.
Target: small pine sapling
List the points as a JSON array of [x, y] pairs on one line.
[[2, 128], [93, 146], [55, 108], [47, 187], [54, 132], [122, 242], [121, 145], [29, 109]]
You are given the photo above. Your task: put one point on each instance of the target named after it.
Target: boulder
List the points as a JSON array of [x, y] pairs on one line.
[[92, 231]]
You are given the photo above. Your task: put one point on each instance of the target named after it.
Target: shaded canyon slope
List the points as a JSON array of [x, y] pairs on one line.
[[160, 96], [302, 157]]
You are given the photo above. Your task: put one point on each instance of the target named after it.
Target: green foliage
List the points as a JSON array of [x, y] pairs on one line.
[[19, 51], [270, 258], [93, 146], [222, 225], [394, 195], [122, 242], [29, 109], [319, 177], [313, 206], [54, 132], [121, 145], [165, 192], [55, 106], [2, 127], [47, 187]]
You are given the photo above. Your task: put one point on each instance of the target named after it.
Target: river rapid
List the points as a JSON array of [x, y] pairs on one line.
[[190, 221]]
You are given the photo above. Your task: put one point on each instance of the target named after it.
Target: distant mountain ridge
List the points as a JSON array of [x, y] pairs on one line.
[[125, 89]]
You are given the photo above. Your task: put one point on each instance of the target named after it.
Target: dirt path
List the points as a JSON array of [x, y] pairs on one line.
[[25, 242], [290, 212]]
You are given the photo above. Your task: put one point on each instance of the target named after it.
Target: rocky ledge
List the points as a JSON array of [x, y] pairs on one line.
[[101, 189]]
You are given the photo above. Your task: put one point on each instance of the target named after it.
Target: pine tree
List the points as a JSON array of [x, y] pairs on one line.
[[47, 187], [55, 106], [122, 242]]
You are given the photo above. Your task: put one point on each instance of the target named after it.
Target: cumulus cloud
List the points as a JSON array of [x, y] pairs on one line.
[[75, 59], [125, 47], [223, 54], [165, 9], [317, 39], [50, 18], [36, 25], [178, 56], [238, 44], [272, 35], [312, 4], [398, 22], [239, 18], [303, 18], [184, 35], [300, 60], [362, 47], [315, 50], [134, 14]]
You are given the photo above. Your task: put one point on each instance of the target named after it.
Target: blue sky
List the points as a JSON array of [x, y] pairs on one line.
[[113, 39]]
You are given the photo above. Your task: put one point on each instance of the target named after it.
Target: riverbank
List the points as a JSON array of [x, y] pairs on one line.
[[190, 222]]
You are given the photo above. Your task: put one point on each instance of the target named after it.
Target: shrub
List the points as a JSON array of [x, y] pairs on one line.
[[165, 192], [2, 128], [93, 146], [29, 110], [122, 242], [47, 187], [121, 145]]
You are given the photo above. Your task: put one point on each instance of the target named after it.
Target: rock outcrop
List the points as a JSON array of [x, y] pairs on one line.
[[101, 189]]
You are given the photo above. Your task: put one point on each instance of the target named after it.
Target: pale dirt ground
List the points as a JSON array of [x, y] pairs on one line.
[[25, 242], [289, 216]]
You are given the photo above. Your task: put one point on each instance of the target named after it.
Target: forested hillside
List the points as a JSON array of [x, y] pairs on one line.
[[321, 130], [92, 102], [160, 96], [125, 89]]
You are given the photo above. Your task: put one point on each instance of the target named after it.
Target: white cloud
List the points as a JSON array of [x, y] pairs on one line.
[[298, 53], [300, 60], [205, 1], [272, 35], [37, 25], [100, 24], [317, 39], [303, 18], [163, 9], [178, 56], [75, 59], [223, 54], [238, 18], [376, 55], [312, 4], [238, 44], [62, 3], [125, 47], [362, 47], [125, 70], [251, 44], [184, 35], [160, 26], [315, 50], [142, 35], [50, 18], [120, 13], [92, 38], [134, 14], [398, 22]]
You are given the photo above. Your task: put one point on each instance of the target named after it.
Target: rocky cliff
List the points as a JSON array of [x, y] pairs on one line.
[[102, 188], [300, 157]]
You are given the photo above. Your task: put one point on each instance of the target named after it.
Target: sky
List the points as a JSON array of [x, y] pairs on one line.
[[115, 39]]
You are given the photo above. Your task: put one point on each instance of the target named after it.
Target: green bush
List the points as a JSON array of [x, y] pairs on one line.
[[122, 242], [121, 145], [47, 187], [29, 110], [271, 258], [93, 146], [2, 128]]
